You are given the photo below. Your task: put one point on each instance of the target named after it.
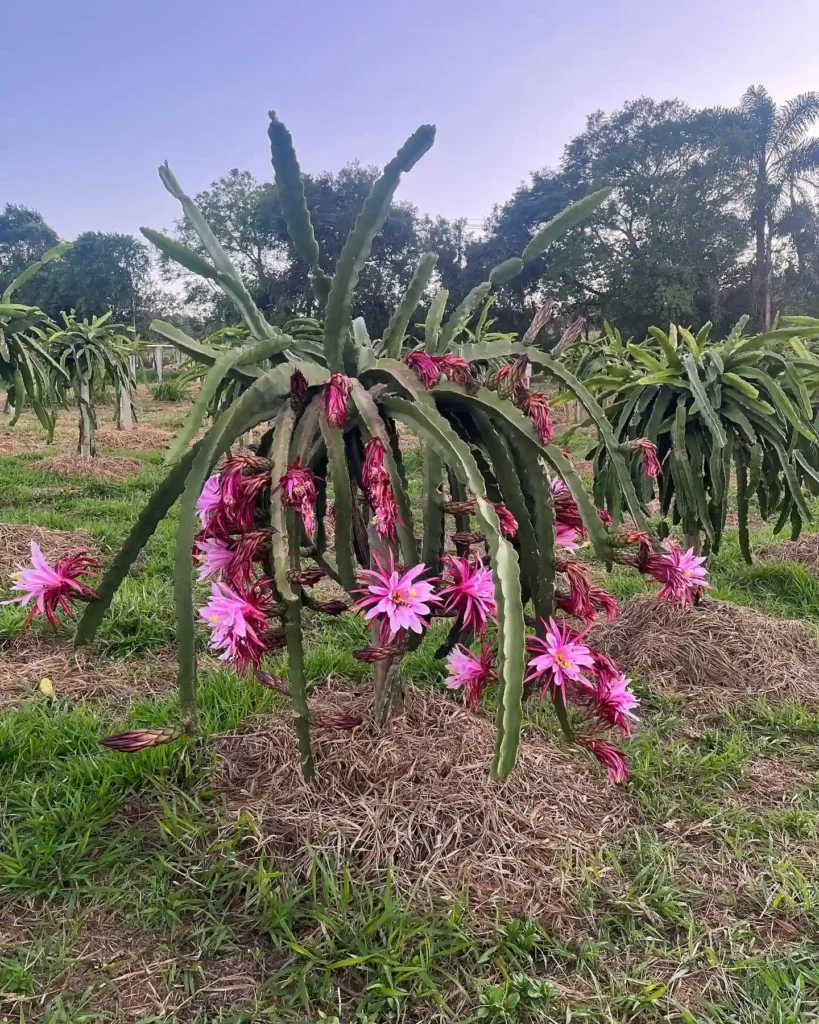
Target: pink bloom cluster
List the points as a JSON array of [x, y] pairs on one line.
[[378, 488], [682, 574], [431, 368], [53, 588]]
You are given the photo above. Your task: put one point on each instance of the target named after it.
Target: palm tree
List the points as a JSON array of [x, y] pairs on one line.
[[784, 163]]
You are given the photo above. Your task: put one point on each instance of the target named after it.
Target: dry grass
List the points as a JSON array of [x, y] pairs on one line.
[[715, 654], [141, 438], [418, 799], [15, 544], [104, 467], [78, 674], [805, 550]]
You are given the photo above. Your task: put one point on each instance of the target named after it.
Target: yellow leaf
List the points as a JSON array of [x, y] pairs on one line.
[[46, 687]]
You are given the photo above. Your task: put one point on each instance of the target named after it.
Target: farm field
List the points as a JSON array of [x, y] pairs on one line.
[[204, 882]]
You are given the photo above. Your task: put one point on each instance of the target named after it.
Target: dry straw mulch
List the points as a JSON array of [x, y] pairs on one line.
[[104, 467], [141, 438], [418, 799], [16, 538], [804, 550], [78, 674], [715, 654]]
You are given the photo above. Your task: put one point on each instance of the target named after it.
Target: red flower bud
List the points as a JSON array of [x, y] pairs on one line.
[[134, 740]]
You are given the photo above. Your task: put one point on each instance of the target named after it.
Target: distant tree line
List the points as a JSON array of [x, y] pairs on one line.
[[715, 213]]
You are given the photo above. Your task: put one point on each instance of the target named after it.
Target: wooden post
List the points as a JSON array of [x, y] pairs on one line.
[[85, 445], [126, 412], [158, 361]]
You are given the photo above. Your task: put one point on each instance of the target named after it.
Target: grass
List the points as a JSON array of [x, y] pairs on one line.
[[131, 891]]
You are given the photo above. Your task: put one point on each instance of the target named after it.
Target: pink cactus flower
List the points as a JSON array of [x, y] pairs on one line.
[[566, 537], [51, 589], [612, 702], [336, 399], [214, 556], [470, 592], [238, 622], [455, 368], [610, 757], [508, 523], [468, 671], [398, 601], [385, 509], [209, 499], [578, 603], [300, 494], [373, 471], [648, 450], [247, 550], [426, 368], [559, 658], [243, 478], [681, 573]]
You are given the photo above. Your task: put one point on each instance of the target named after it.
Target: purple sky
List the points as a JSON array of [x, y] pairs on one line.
[[95, 94]]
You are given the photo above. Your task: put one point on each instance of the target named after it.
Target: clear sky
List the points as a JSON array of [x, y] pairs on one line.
[[94, 94]]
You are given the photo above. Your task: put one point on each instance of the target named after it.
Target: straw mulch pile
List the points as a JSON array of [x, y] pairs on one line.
[[141, 438], [715, 654], [16, 538], [805, 550], [104, 467], [418, 799], [78, 674]]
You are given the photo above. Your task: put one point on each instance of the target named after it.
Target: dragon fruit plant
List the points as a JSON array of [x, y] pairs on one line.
[[325, 494]]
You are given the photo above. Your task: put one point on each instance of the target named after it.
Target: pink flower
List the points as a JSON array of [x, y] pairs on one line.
[[508, 523], [300, 494], [682, 574], [536, 407], [336, 399], [242, 480], [559, 657], [606, 754], [248, 549], [209, 499], [51, 589], [377, 483], [401, 601], [470, 592], [470, 672], [426, 368], [373, 470], [651, 463], [612, 702], [566, 537], [298, 390], [239, 625], [215, 556]]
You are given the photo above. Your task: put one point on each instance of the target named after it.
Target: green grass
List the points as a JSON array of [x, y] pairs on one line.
[[119, 868]]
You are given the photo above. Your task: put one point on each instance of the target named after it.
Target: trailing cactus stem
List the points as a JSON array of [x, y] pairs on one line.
[[298, 685], [388, 685]]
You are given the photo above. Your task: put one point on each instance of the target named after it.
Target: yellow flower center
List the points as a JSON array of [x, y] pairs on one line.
[[561, 660]]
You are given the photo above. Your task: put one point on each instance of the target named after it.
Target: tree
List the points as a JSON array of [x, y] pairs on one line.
[[783, 161], [24, 239], [102, 272], [667, 245]]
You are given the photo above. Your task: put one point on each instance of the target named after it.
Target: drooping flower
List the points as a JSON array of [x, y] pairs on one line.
[[134, 740], [470, 592], [604, 601], [399, 601], [611, 702], [508, 523], [578, 603], [248, 549], [651, 463], [610, 757], [55, 588], [208, 501], [682, 574], [300, 494], [385, 509], [560, 657], [214, 556], [471, 672], [456, 369], [243, 479], [567, 514], [536, 407], [336, 399], [238, 621], [426, 368], [373, 470]]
